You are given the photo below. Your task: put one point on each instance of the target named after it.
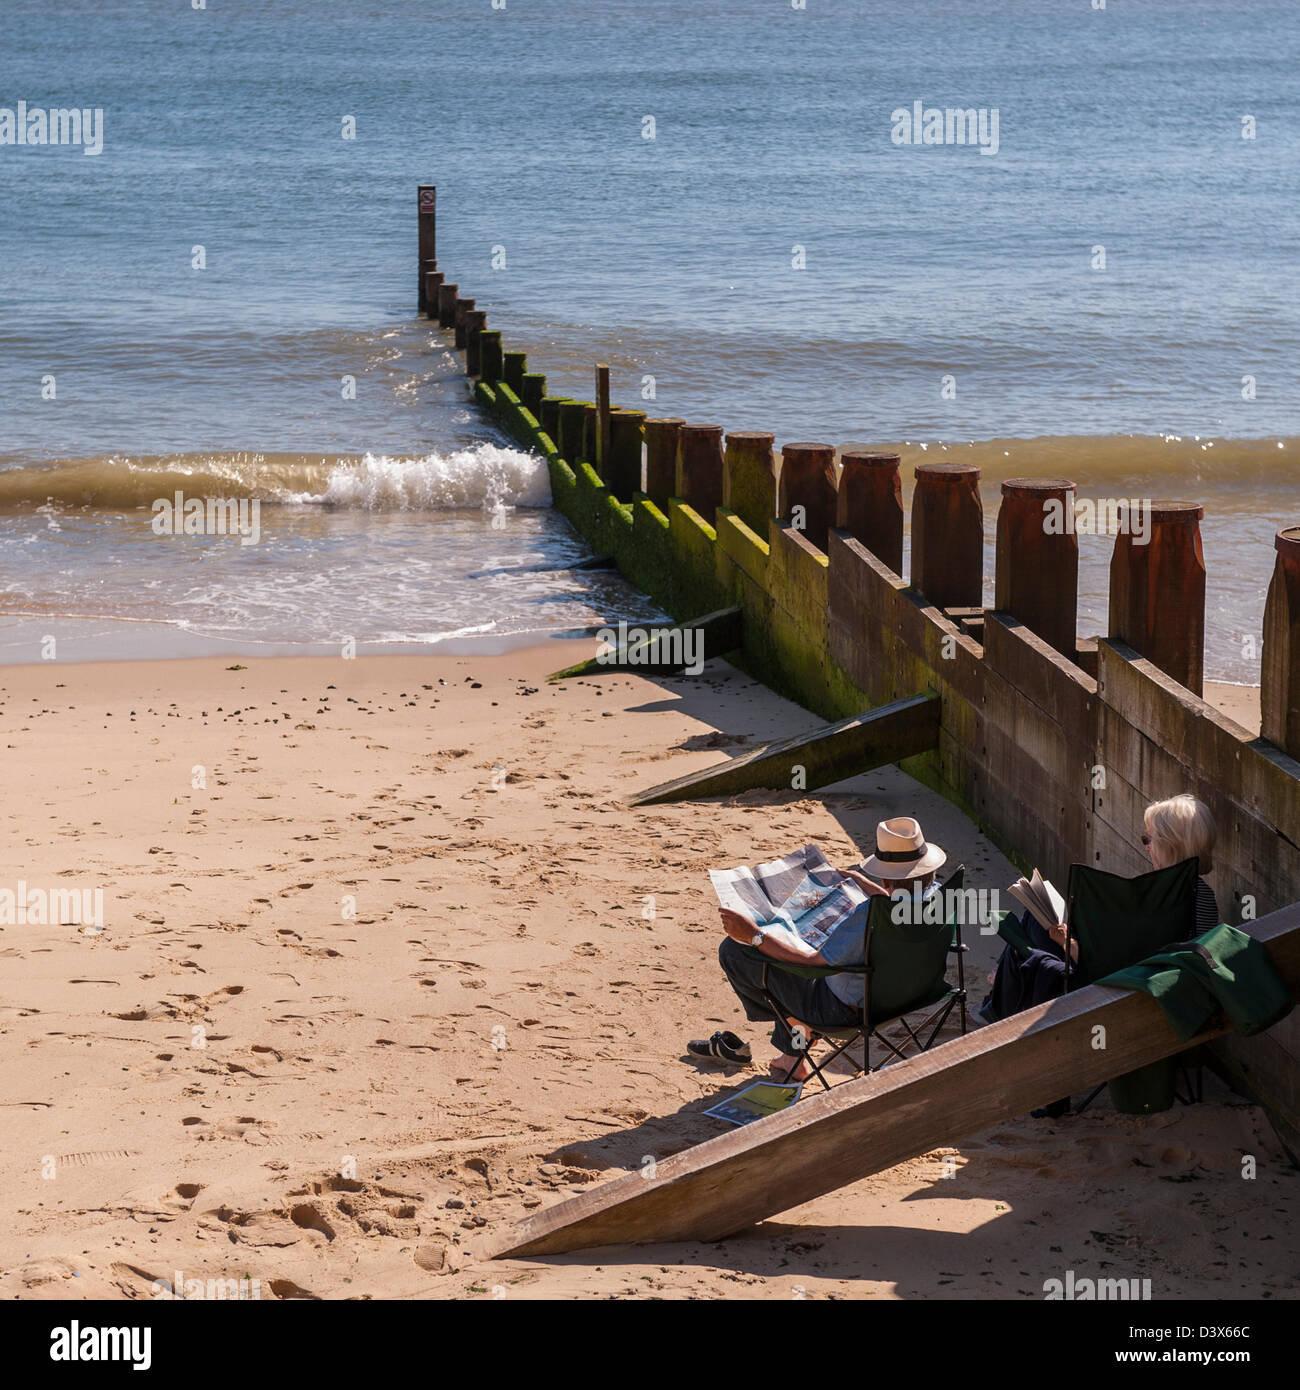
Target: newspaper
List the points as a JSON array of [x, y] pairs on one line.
[[799, 900]]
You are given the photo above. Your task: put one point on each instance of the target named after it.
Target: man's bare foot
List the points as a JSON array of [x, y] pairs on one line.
[[802, 1068]]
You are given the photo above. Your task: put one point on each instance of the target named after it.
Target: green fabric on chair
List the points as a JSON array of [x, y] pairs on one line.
[[1221, 971]]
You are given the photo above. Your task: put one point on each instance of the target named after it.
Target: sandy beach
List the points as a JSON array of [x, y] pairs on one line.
[[387, 963]]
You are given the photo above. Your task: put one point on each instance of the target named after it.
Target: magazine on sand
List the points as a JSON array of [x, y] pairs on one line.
[[758, 1100]]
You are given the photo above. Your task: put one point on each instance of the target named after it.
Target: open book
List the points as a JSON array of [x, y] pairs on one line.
[[1039, 897], [798, 900]]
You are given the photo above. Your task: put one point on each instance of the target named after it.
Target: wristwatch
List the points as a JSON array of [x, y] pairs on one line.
[[757, 939]]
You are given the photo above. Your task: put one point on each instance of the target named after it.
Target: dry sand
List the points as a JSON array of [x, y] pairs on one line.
[[237, 1078]]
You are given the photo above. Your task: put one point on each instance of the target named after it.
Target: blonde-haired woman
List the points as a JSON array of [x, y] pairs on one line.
[[1183, 828], [1179, 828], [1174, 830]]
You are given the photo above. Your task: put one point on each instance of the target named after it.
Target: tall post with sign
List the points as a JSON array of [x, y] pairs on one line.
[[428, 198]]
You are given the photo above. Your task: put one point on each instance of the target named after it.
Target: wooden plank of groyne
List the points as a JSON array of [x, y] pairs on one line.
[[1039, 672], [862, 1127], [857, 744], [661, 652]]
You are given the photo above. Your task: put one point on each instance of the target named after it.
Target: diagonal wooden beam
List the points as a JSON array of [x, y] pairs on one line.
[[592, 562], [719, 632], [862, 1127], [857, 744]]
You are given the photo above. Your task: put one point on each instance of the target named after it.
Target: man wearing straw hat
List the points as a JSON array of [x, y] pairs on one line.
[[903, 862]]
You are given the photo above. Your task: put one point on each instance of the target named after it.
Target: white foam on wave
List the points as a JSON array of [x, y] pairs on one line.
[[483, 475]]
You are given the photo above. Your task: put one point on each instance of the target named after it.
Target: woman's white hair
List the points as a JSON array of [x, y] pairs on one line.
[[1184, 826]]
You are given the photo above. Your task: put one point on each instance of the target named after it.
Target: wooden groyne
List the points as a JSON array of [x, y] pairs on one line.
[[1052, 745]]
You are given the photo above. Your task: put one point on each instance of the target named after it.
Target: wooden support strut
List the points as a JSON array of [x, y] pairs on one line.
[[860, 1127], [719, 632], [858, 744]]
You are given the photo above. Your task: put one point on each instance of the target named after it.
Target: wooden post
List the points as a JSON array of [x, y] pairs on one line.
[[514, 366], [623, 470], [573, 443], [602, 418], [531, 393], [1037, 575], [426, 201], [549, 419], [948, 535], [699, 469], [463, 307], [870, 504], [661, 438], [489, 354], [1279, 695], [590, 429], [474, 322], [447, 296], [749, 479], [1157, 588], [432, 283], [808, 480]]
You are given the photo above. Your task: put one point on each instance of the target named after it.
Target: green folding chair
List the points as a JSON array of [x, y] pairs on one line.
[[1118, 922], [905, 966]]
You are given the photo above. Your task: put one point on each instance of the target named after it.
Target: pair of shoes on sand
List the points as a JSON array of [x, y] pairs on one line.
[[721, 1047]]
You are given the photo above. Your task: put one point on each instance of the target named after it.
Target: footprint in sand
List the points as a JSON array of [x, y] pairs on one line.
[[181, 1197]]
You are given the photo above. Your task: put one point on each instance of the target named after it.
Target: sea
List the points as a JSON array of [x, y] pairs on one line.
[[721, 199]]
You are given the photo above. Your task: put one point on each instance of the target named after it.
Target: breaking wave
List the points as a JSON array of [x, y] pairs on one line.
[[478, 476]]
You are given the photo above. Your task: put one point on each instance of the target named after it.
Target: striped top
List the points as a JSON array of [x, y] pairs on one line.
[[1207, 909]]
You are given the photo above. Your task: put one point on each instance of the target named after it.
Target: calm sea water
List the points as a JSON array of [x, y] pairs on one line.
[[772, 259]]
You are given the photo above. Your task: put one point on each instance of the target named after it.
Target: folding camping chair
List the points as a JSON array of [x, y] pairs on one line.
[[905, 973], [1118, 922]]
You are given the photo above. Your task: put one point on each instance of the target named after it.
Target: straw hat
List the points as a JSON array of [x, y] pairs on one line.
[[901, 851]]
